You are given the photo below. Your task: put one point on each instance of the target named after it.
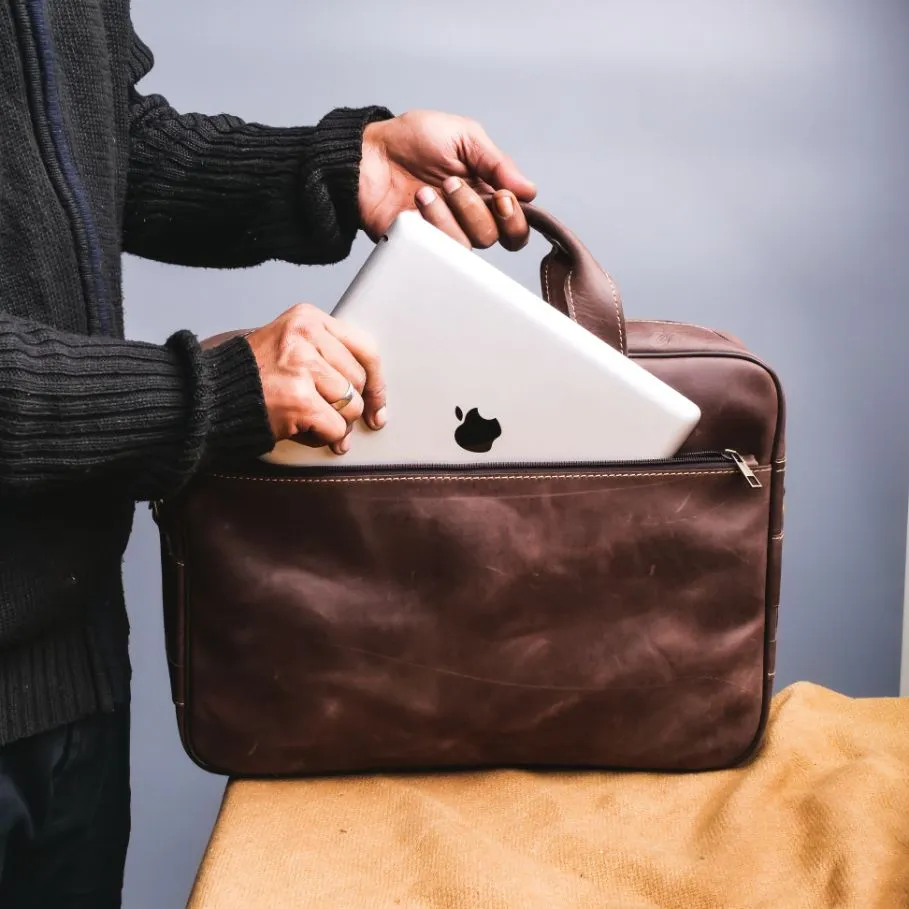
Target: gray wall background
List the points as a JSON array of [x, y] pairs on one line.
[[738, 164]]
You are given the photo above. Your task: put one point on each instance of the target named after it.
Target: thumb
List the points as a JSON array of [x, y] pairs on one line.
[[485, 160]]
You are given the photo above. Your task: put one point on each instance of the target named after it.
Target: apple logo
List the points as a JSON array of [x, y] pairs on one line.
[[476, 433]]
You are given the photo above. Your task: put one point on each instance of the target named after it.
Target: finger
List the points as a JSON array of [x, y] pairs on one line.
[[333, 387], [471, 212], [339, 393], [513, 228], [326, 436], [341, 448], [437, 213], [364, 350], [322, 425], [485, 160], [337, 355]]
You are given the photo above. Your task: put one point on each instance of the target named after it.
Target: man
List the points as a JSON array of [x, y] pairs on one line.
[[91, 423]]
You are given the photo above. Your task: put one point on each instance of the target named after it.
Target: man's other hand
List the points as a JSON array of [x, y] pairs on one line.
[[442, 165], [319, 376]]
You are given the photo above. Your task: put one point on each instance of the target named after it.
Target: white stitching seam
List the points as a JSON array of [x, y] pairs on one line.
[[618, 311], [546, 292], [449, 478], [569, 297]]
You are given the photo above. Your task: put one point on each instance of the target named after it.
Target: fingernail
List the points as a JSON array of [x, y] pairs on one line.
[[426, 196], [504, 206], [380, 419], [452, 184], [342, 447]]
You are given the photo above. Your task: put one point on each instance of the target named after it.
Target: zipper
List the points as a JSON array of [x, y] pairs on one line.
[[719, 456], [725, 456], [746, 471]]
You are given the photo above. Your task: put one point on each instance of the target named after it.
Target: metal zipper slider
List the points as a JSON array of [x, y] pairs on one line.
[[743, 467]]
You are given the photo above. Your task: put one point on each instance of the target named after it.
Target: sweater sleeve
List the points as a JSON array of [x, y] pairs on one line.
[[219, 192], [142, 416]]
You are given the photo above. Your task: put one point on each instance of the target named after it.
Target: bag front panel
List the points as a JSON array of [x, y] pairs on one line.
[[608, 617]]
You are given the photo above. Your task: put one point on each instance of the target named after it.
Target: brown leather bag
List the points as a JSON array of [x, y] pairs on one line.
[[600, 615]]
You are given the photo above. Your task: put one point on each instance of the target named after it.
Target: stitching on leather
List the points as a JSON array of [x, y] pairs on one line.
[[777, 536], [570, 296], [771, 675], [457, 478], [618, 311], [546, 292]]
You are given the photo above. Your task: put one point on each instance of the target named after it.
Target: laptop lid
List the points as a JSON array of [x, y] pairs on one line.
[[481, 370]]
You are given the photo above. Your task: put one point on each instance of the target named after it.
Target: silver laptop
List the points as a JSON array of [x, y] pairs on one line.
[[480, 370]]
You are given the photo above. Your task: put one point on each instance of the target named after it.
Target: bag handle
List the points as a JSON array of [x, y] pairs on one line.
[[575, 284]]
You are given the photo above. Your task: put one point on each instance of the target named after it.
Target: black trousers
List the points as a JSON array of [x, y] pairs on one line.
[[64, 816]]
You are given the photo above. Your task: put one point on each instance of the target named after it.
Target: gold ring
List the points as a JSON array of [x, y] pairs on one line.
[[348, 396]]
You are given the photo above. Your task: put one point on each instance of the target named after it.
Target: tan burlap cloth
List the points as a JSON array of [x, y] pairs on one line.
[[820, 820]]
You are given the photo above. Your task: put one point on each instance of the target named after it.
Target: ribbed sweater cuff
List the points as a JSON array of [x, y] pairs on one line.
[[221, 192], [239, 425], [334, 153]]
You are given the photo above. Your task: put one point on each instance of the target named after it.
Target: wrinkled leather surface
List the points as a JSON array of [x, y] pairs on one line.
[[613, 619], [738, 399], [619, 617]]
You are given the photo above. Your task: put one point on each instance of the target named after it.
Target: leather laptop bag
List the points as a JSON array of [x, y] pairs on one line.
[[595, 615]]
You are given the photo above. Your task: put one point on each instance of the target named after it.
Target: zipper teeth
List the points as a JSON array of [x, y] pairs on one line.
[[703, 457]]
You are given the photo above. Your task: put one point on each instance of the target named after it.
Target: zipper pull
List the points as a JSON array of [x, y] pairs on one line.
[[744, 469]]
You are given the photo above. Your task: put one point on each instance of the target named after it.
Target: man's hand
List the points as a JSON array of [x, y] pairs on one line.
[[441, 164], [306, 359]]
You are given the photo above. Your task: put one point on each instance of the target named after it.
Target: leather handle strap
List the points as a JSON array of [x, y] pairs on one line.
[[573, 281]]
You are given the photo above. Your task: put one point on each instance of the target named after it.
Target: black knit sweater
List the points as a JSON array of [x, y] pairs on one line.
[[89, 422]]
